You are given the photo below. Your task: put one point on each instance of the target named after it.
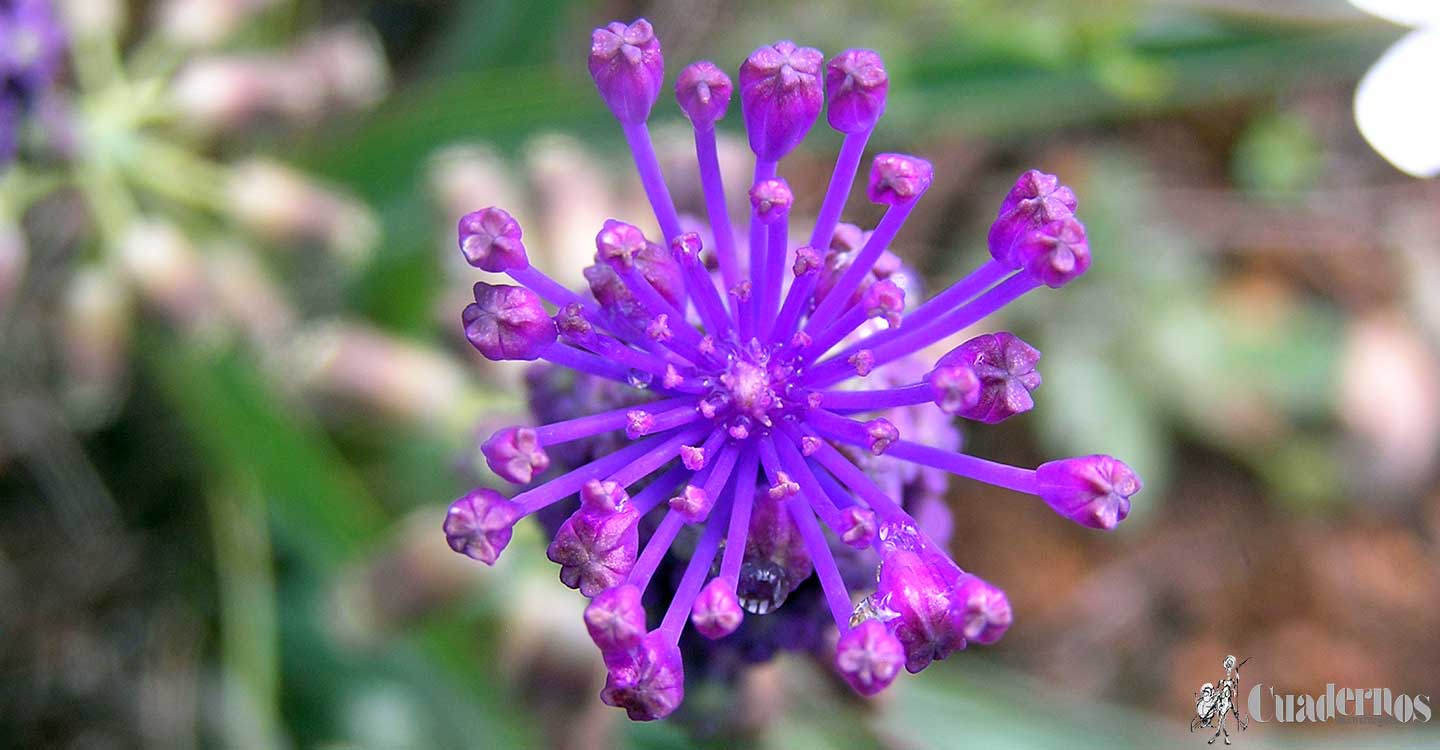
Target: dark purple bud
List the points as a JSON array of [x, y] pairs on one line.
[[1036, 200], [507, 322], [515, 455], [780, 95], [604, 496], [616, 618], [1092, 491], [648, 681], [880, 433], [693, 504], [1005, 366], [703, 91], [981, 611], [717, 612], [595, 548], [1056, 253], [884, 299], [855, 84], [868, 657], [924, 624], [619, 244], [956, 387], [479, 524], [857, 526], [490, 240], [897, 179], [628, 68], [771, 199], [807, 261]]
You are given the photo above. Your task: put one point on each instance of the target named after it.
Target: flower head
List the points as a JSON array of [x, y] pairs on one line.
[[770, 401]]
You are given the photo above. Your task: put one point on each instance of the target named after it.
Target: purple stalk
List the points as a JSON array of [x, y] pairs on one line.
[[686, 337], [655, 549], [759, 238], [707, 300], [824, 340], [852, 477], [570, 482], [553, 291], [556, 433], [962, 291], [679, 612], [831, 581], [836, 369], [654, 459], [906, 395], [970, 467], [610, 348], [575, 359], [715, 207], [659, 490], [775, 250], [638, 136], [721, 469], [744, 502], [815, 544], [845, 287], [847, 163], [793, 463]]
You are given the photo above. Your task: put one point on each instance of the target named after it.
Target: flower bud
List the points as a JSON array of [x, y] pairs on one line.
[[897, 179], [716, 612], [856, 84], [596, 547], [693, 504], [771, 199], [648, 681], [618, 244], [508, 322], [515, 455], [880, 433], [616, 618], [956, 387], [628, 68], [479, 524], [924, 625], [884, 299], [1056, 253], [1005, 366], [780, 96], [490, 240], [981, 611], [868, 657], [703, 91], [1035, 200], [857, 527], [1092, 491]]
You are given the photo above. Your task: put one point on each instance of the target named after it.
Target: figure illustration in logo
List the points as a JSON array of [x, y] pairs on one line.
[[1216, 703]]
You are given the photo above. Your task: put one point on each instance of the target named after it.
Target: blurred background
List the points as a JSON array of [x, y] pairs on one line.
[[235, 398]]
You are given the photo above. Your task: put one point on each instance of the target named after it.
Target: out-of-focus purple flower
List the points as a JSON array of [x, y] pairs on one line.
[[32, 49], [759, 415]]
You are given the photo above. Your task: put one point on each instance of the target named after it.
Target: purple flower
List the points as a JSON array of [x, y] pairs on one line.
[[776, 413], [32, 49]]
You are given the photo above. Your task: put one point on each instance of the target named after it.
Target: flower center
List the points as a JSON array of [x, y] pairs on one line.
[[755, 388]]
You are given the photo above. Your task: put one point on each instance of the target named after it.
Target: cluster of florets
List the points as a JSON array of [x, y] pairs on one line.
[[32, 48], [750, 428]]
